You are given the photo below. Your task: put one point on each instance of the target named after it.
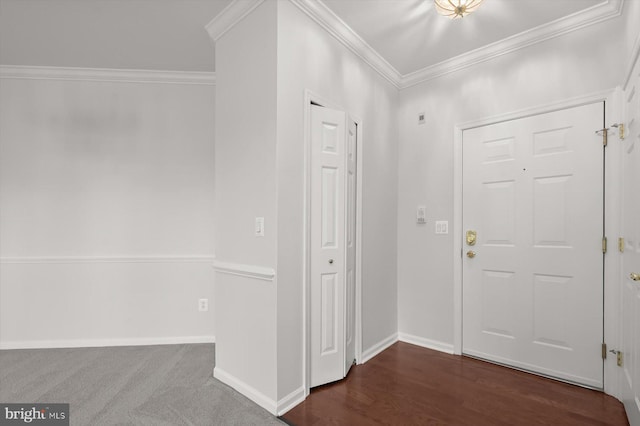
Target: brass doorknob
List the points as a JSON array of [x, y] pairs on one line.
[[634, 276], [471, 254]]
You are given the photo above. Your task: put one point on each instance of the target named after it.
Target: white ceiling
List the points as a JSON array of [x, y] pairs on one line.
[[411, 35], [170, 34]]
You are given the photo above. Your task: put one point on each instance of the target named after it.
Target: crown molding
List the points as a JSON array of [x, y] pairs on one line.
[[342, 32], [230, 16], [335, 26], [584, 18], [107, 75]]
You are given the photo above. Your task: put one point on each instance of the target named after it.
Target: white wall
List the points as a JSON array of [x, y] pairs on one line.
[[575, 64], [106, 212], [262, 73], [310, 58], [265, 64], [245, 171], [631, 12]]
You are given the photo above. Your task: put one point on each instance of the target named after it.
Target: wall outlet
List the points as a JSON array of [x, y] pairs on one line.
[[421, 118], [203, 305], [442, 227]]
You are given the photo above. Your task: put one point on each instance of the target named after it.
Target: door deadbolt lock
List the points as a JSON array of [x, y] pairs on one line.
[[471, 238], [471, 254]]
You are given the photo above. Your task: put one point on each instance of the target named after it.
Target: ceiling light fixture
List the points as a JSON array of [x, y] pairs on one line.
[[454, 9]]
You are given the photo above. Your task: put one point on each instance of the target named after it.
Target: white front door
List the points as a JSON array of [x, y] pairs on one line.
[[328, 247], [533, 279], [630, 299]]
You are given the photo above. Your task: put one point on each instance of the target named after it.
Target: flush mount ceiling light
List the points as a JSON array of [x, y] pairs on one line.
[[454, 9]]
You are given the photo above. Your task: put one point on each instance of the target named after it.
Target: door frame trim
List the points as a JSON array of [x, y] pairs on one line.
[[309, 98], [613, 109]]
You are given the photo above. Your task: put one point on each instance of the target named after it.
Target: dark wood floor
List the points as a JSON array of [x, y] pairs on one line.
[[410, 385]]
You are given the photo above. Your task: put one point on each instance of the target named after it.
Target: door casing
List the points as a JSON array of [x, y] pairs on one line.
[[629, 325], [309, 98], [613, 104]]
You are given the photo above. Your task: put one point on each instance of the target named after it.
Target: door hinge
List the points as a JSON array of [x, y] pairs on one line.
[[604, 244], [604, 351], [619, 357], [620, 127], [621, 245], [604, 132]]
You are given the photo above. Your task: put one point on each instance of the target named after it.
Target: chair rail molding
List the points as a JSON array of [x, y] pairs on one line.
[[249, 271], [41, 260]]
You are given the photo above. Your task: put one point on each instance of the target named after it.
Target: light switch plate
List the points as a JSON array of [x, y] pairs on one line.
[[421, 215], [442, 227], [259, 226]]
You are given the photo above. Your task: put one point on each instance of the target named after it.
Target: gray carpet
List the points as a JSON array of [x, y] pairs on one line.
[[136, 385]]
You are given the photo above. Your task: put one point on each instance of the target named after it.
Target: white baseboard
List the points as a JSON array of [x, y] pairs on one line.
[[426, 343], [98, 343], [378, 347], [288, 402], [250, 392]]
